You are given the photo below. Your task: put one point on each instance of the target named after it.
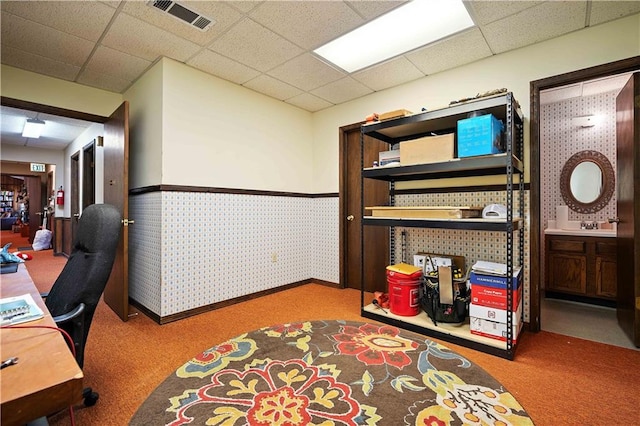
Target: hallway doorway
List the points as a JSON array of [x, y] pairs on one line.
[[539, 210]]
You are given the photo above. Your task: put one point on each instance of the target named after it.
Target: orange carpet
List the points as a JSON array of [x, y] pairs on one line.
[[558, 380]]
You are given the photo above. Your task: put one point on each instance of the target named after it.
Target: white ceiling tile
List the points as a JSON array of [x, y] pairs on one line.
[[244, 6], [138, 38], [372, 9], [342, 90], [558, 94], [112, 62], [308, 24], [44, 41], [272, 87], [114, 4], [604, 11], [39, 64], [220, 66], [464, 48], [220, 13], [536, 24], [252, 44], [67, 16], [603, 85], [484, 12], [306, 72], [388, 74], [95, 78], [309, 102]]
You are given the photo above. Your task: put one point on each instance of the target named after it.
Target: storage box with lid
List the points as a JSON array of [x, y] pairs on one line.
[[481, 135], [428, 149]]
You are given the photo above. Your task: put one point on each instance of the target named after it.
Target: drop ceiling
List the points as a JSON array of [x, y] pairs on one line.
[[265, 46]]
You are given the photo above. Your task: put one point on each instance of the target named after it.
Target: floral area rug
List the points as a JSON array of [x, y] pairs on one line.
[[330, 373]]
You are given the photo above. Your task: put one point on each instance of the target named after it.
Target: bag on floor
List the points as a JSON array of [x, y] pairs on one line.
[[42, 240]]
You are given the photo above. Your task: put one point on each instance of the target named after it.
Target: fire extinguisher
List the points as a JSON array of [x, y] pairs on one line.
[[60, 197]]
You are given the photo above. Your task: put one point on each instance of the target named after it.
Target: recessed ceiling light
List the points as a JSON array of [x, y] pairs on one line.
[[405, 28], [32, 128]]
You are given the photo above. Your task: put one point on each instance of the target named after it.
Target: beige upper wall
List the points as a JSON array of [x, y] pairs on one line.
[[28, 86], [512, 70], [219, 134], [145, 129]]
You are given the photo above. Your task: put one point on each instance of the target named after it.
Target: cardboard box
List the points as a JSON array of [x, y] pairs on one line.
[[429, 149], [496, 280], [483, 321], [393, 114], [494, 314], [493, 297], [386, 157], [492, 329], [480, 136]]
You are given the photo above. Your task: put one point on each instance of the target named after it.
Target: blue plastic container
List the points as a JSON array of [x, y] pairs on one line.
[[480, 135]]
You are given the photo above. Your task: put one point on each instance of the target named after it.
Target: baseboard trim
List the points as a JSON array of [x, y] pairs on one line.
[[202, 309]]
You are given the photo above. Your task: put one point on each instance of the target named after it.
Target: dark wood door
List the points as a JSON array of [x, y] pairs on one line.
[[88, 175], [116, 192], [35, 187], [376, 193], [74, 195], [628, 191]]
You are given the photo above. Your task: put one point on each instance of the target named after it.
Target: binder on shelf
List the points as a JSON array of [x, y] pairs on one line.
[[19, 309]]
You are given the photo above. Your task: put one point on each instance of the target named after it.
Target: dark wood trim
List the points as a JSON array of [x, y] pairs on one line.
[[536, 253], [326, 283], [47, 109], [202, 309], [214, 190]]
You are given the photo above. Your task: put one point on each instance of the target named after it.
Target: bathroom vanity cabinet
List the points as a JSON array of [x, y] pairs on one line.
[[581, 266]]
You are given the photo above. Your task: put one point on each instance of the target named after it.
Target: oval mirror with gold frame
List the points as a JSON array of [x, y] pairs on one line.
[[587, 182]]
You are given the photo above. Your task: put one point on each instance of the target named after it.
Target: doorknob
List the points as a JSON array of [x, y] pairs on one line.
[[127, 222], [614, 220], [350, 218]]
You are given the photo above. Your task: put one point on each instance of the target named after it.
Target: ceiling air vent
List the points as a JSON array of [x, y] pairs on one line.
[[182, 13]]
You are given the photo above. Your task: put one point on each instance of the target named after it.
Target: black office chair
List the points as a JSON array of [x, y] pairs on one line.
[[75, 294]]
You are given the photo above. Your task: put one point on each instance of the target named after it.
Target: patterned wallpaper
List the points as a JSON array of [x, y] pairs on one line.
[[473, 245], [192, 249], [560, 139]]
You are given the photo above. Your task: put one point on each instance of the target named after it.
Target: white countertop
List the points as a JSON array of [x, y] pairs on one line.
[[582, 232]]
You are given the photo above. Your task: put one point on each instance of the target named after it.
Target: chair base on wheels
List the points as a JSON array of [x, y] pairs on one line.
[[90, 397]]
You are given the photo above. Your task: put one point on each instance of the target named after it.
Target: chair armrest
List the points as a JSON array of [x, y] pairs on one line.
[[64, 318]]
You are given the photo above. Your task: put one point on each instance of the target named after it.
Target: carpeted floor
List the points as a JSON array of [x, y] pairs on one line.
[[558, 380]]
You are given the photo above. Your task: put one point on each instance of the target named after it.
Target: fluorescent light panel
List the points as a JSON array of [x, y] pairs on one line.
[[32, 128], [405, 28]]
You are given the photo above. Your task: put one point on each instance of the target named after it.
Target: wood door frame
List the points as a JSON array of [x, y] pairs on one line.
[[88, 174], [536, 253]]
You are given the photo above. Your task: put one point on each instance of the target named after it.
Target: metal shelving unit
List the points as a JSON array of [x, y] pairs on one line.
[[509, 164]]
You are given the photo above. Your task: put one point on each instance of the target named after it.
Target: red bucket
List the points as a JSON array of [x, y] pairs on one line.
[[403, 281], [404, 296]]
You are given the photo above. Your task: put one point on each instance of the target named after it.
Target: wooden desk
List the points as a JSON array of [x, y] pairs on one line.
[[46, 378]]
